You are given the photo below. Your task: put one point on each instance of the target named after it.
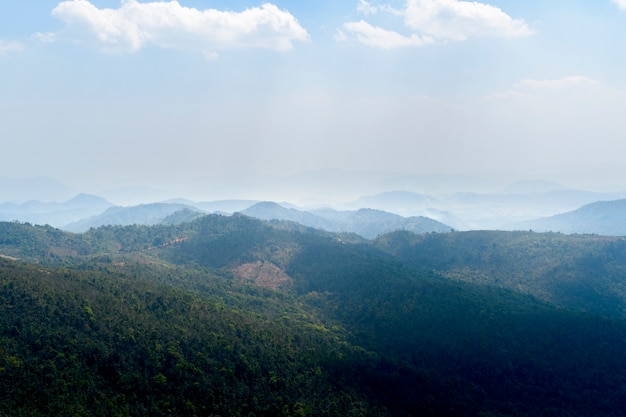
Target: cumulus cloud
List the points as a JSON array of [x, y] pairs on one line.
[[378, 37], [459, 20], [620, 3], [170, 25], [7, 47], [441, 20]]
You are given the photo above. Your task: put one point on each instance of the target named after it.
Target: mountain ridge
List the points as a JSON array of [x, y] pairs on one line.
[[365, 222]]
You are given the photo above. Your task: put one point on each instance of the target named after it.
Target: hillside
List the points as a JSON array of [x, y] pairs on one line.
[[99, 344], [234, 316], [579, 273]]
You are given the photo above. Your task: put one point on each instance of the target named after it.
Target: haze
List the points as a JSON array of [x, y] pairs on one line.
[[312, 100]]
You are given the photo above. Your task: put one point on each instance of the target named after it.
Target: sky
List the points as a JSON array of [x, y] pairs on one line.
[[241, 99]]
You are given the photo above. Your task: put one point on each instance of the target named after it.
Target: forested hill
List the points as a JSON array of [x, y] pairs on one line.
[[234, 316], [578, 272]]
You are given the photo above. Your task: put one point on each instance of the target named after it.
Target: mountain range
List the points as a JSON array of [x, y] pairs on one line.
[[540, 206]]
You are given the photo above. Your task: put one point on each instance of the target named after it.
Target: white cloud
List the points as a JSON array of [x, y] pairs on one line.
[[7, 47], [560, 83], [366, 8], [378, 37], [436, 20], [169, 25], [532, 89], [44, 37], [459, 20], [620, 3]]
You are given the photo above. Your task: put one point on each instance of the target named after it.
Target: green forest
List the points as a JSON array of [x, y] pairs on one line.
[[233, 316]]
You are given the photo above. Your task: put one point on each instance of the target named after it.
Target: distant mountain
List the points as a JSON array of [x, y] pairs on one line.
[[400, 202], [19, 190], [368, 223], [371, 223], [143, 214], [521, 201], [81, 201], [54, 213], [274, 211], [553, 199], [134, 195], [603, 217], [184, 215], [507, 211], [531, 186], [224, 206]]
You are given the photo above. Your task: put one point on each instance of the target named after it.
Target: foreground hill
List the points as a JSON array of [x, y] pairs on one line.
[[602, 217], [99, 344], [236, 316]]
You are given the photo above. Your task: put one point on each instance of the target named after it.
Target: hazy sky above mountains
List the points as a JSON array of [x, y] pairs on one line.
[[106, 93]]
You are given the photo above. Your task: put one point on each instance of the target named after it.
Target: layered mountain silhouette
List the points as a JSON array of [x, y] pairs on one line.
[[368, 223], [536, 205], [53, 213], [143, 214]]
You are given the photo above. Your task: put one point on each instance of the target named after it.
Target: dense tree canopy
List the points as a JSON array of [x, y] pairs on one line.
[[158, 321]]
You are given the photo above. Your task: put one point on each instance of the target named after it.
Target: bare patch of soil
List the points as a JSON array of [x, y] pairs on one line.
[[263, 274]]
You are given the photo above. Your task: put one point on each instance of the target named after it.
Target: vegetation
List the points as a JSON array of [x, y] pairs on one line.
[[154, 321], [577, 272]]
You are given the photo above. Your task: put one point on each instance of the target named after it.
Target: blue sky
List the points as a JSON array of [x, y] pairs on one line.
[[207, 97]]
